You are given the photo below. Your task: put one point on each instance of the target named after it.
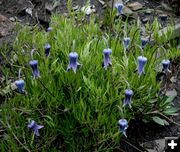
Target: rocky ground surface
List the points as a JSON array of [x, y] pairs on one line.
[[30, 12]]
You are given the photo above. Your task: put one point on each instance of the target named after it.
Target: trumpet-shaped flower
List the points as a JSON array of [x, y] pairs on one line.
[[166, 65], [107, 59], [141, 63], [128, 95], [73, 61], [47, 48], [119, 7], [34, 66], [126, 42], [35, 127], [144, 41], [123, 125], [20, 85]]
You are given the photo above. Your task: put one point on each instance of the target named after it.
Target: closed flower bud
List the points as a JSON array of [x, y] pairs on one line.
[[47, 48], [20, 85], [166, 65], [107, 59], [119, 7], [126, 42], [144, 41], [141, 63], [34, 66]]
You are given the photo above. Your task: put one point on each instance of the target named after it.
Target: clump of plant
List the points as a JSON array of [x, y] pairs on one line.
[[82, 84]]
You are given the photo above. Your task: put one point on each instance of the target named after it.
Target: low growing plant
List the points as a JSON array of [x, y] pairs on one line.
[[79, 82]]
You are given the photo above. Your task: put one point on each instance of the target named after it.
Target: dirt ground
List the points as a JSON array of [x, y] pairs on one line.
[[138, 132]]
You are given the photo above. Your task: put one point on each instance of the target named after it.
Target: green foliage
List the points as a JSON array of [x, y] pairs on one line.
[[79, 111]]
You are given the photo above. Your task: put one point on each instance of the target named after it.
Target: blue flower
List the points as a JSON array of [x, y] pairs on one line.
[[49, 29], [141, 63], [128, 95], [126, 42], [47, 48], [73, 61], [144, 41], [107, 59], [119, 7], [20, 85], [35, 127], [123, 125], [34, 66], [166, 65]]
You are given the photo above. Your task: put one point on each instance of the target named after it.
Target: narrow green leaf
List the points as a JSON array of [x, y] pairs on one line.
[[169, 99], [170, 111], [165, 122], [158, 120], [152, 101]]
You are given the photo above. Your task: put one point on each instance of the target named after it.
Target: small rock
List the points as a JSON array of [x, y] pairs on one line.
[[6, 26], [173, 79], [88, 9], [24, 7], [135, 6], [171, 93], [175, 32], [12, 19], [154, 146], [127, 11], [29, 11], [50, 7]]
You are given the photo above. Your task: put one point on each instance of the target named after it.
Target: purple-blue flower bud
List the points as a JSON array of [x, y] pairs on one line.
[[141, 63], [73, 61], [119, 7], [144, 41], [126, 42], [128, 95], [47, 48], [34, 66], [20, 85], [107, 59], [166, 65]]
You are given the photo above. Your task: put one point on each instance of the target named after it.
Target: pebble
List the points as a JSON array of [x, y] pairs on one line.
[[6, 26], [135, 6]]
